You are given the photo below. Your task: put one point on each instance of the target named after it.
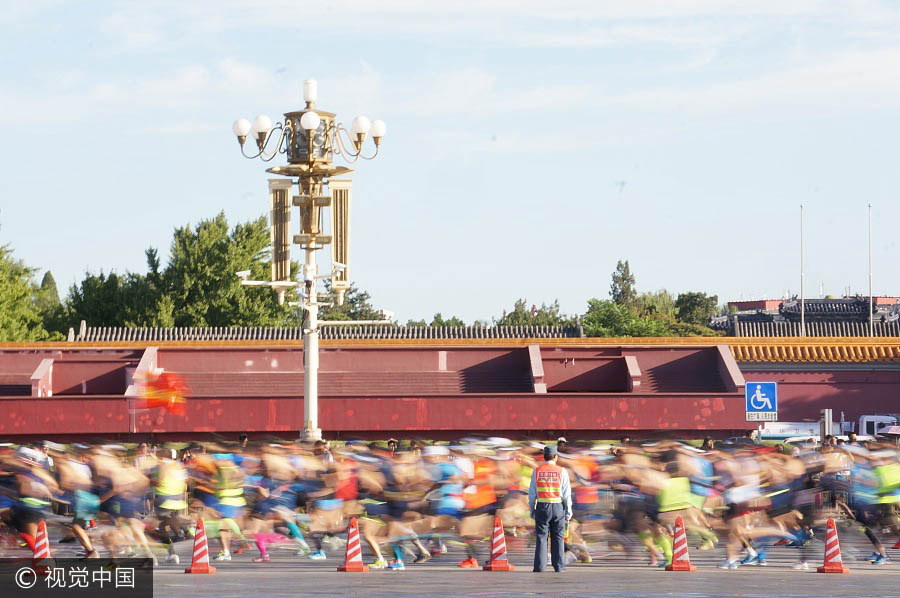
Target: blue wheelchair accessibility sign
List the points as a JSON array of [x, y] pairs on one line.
[[761, 401]]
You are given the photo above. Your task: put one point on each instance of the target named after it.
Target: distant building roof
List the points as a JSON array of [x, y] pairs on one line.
[[855, 306], [847, 316], [754, 304], [326, 332]]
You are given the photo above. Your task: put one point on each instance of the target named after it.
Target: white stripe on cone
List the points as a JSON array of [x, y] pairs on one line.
[[41, 544], [498, 549], [354, 550], [201, 554], [680, 546]]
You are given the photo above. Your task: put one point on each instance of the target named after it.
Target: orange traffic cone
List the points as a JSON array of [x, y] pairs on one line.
[[200, 560], [499, 561], [42, 559], [353, 562], [833, 561], [680, 559]]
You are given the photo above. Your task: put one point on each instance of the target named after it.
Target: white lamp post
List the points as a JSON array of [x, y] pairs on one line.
[[309, 138]]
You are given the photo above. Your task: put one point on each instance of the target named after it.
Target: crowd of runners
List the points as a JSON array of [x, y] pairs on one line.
[[412, 498]]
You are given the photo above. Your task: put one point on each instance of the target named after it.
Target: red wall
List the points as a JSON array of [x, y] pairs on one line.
[[24, 364], [230, 360], [90, 377], [856, 392], [590, 416], [585, 374], [76, 417]]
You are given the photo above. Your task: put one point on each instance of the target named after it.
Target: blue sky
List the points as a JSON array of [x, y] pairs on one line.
[[530, 145]]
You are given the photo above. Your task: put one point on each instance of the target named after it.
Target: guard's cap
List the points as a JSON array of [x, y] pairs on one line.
[[549, 452]]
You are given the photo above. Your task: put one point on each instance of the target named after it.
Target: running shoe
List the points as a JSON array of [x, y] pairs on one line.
[[318, 555], [730, 565], [382, 564], [396, 566], [881, 560], [302, 547], [173, 558], [223, 556], [422, 558], [755, 559], [874, 557], [804, 566], [896, 546], [469, 563], [261, 559]]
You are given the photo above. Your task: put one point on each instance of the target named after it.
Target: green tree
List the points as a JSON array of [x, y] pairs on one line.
[[53, 313], [201, 280], [357, 306], [661, 303], [20, 316], [439, 320], [696, 308], [47, 296], [545, 315], [608, 318], [621, 290], [198, 286]]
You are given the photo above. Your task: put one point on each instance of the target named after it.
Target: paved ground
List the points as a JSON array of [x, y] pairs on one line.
[[614, 573], [277, 581], [287, 575]]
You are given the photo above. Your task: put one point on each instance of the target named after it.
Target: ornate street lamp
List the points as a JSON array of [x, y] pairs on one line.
[[311, 139]]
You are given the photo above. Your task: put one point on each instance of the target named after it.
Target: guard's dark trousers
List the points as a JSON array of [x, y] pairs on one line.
[[550, 517]]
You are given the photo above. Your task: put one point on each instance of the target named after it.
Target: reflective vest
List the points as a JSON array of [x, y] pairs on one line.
[[230, 492], [481, 493], [548, 483], [586, 495], [675, 495], [888, 477]]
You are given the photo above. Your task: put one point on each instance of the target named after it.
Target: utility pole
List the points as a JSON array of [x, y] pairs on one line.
[[871, 301], [802, 275]]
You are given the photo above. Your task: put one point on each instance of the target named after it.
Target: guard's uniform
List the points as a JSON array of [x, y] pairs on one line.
[[550, 497]]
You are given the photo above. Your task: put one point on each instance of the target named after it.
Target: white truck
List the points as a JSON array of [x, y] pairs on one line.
[[868, 425]]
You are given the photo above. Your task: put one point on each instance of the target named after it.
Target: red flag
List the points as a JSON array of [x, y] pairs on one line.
[[166, 390]]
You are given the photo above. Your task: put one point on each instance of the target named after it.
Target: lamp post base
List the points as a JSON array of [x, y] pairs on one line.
[[310, 434]]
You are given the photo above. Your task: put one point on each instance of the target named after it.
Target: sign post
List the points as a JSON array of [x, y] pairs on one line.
[[761, 403]]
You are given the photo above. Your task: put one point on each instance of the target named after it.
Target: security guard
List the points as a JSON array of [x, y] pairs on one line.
[[550, 498]]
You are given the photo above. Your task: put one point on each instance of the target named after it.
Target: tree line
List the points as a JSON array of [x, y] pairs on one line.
[[198, 286]]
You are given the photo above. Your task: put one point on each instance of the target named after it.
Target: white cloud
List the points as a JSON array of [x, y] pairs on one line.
[[857, 75], [244, 75], [135, 26]]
